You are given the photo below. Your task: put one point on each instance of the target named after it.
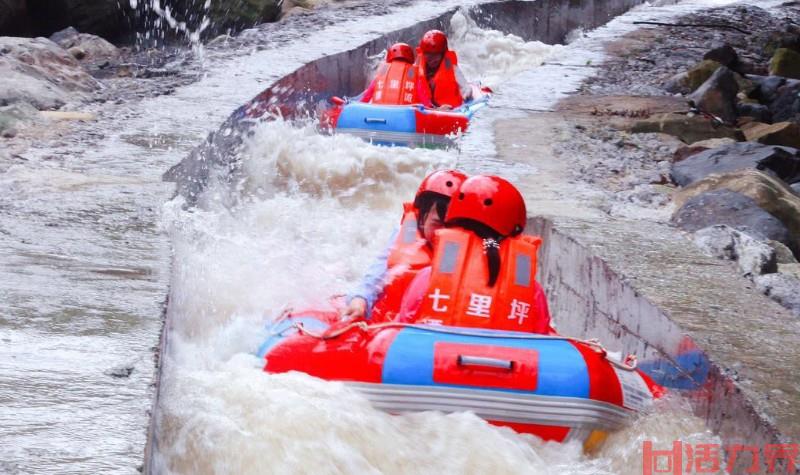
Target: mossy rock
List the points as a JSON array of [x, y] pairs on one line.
[[789, 37], [745, 85], [785, 134], [785, 62], [700, 73], [237, 14]]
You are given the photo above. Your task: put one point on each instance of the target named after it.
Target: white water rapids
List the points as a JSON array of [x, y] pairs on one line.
[[315, 211], [85, 272]]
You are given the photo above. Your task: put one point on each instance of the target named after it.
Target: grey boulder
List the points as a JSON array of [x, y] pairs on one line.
[[783, 162], [733, 209], [752, 256], [783, 288], [85, 46], [39, 72], [759, 112], [718, 95]]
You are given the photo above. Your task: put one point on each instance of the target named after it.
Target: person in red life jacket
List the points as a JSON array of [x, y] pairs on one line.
[[438, 71], [410, 248], [483, 272], [396, 82]]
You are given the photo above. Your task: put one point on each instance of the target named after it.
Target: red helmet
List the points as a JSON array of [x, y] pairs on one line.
[[442, 182], [433, 41], [492, 201], [400, 51]]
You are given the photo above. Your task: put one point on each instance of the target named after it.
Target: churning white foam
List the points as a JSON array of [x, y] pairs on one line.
[[306, 202], [490, 56]]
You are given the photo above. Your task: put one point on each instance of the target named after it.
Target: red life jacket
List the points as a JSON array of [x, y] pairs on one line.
[[444, 85], [459, 294], [410, 254], [395, 84]]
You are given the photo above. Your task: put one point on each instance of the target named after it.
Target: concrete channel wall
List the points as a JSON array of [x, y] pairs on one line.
[[694, 324], [548, 21]]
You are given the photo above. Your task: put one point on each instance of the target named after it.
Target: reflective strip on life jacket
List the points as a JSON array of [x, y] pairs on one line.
[[395, 84], [459, 293], [444, 85], [409, 254]]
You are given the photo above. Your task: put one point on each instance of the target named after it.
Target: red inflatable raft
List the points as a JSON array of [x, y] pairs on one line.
[[554, 387]]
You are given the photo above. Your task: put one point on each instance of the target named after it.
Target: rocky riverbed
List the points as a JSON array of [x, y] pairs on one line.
[[697, 123]]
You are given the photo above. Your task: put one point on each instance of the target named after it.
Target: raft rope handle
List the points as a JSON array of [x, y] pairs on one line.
[[628, 364], [326, 335]]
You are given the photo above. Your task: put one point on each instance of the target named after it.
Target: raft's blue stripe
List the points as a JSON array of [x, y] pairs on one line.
[[562, 370], [398, 119]]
